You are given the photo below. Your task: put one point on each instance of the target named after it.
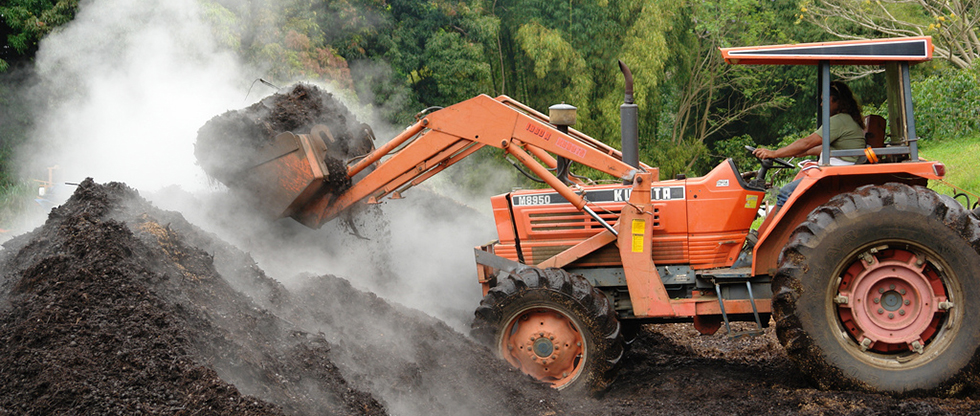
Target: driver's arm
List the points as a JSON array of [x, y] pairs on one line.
[[800, 147]]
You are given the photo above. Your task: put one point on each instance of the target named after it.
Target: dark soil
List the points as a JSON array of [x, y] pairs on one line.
[[110, 311], [117, 307]]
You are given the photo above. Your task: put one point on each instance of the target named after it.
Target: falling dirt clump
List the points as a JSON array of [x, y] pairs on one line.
[[230, 143]]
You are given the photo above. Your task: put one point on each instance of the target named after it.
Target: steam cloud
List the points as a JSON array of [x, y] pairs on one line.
[[130, 83], [127, 85]]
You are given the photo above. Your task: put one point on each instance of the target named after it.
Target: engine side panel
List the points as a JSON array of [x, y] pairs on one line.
[[701, 221]]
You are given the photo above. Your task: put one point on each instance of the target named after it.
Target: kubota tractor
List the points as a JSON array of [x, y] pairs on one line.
[[870, 277]]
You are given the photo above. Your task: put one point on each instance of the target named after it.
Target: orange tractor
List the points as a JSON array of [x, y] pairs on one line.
[[868, 275]]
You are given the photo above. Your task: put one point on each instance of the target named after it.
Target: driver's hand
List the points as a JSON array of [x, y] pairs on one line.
[[764, 153]]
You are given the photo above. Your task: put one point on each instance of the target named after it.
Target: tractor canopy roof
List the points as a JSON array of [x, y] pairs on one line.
[[852, 52], [894, 55]]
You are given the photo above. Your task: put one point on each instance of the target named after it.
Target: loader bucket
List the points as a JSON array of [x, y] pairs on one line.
[[287, 174], [287, 154]]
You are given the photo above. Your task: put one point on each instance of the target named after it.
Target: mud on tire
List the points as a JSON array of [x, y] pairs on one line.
[[878, 291], [554, 326]]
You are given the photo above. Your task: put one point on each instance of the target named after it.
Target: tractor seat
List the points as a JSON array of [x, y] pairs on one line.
[[874, 134], [874, 131]]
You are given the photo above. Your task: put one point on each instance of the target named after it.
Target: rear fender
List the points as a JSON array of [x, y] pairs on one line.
[[818, 186]]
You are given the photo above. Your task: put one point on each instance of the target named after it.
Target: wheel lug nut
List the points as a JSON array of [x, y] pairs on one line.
[[877, 300], [907, 302], [881, 311], [892, 287], [902, 291], [901, 312], [891, 315]]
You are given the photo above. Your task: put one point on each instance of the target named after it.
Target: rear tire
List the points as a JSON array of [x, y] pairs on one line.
[[553, 326], [860, 296]]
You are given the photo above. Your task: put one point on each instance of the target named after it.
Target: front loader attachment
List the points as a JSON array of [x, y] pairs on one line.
[[317, 176], [286, 152]]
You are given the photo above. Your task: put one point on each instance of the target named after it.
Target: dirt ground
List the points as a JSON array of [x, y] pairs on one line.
[[114, 306]]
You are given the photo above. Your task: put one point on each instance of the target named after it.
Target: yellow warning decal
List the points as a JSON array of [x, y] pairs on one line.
[[751, 201], [639, 232], [639, 227]]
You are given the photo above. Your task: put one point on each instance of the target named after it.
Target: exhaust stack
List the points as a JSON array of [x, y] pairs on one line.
[[629, 122]]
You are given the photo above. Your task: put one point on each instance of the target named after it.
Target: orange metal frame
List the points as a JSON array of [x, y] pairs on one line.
[[818, 186], [445, 137]]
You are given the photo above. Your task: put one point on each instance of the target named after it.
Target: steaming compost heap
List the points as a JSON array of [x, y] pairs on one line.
[[114, 306]]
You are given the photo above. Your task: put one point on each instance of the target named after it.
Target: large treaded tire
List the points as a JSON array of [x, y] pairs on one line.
[[870, 245], [534, 297]]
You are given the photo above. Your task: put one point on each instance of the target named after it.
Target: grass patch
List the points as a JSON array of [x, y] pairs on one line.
[[962, 173]]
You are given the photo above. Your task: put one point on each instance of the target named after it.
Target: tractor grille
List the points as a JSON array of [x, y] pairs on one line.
[[571, 221]]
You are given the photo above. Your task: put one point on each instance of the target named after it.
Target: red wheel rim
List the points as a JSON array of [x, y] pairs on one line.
[[545, 344], [891, 300]]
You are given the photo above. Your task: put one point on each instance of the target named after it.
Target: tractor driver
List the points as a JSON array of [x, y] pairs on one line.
[[846, 132]]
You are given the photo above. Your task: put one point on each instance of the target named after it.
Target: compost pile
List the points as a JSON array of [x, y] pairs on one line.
[[116, 307]]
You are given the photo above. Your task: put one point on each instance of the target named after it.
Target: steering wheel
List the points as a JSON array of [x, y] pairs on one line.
[[773, 163]]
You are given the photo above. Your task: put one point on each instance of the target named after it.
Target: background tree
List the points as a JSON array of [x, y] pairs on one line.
[[24, 22], [400, 56]]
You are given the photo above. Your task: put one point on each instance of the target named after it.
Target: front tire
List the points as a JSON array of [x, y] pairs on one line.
[[877, 291], [553, 326]]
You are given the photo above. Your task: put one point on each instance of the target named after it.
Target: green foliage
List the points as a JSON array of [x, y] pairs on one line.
[[688, 157], [947, 104], [225, 25], [25, 22], [557, 63], [456, 67], [646, 52], [399, 56], [734, 148]]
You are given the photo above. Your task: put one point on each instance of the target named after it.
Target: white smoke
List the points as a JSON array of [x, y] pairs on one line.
[[127, 85]]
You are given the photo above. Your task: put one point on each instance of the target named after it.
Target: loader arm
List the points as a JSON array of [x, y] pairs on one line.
[[442, 138]]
